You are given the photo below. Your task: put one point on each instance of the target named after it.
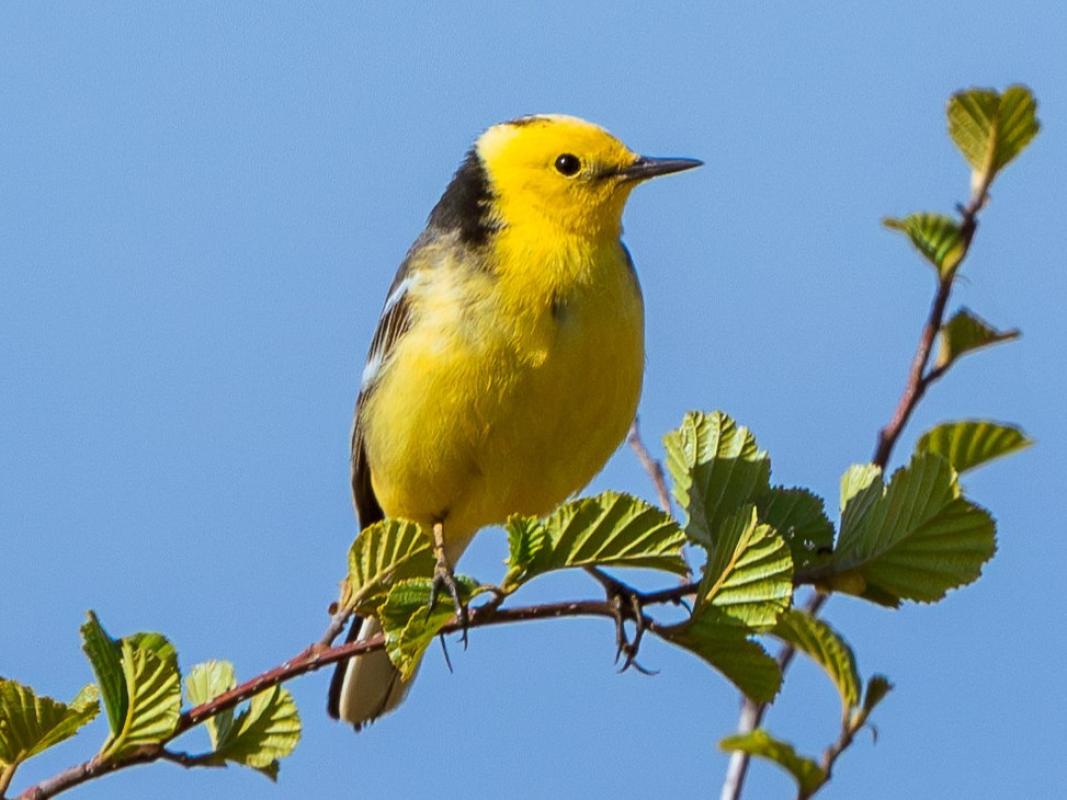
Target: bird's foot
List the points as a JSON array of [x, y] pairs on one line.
[[444, 578], [627, 604]]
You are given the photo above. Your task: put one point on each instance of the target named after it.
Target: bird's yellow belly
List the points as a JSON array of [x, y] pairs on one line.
[[473, 421]]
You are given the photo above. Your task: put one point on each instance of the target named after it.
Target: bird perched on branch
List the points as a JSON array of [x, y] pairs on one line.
[[507, 362]]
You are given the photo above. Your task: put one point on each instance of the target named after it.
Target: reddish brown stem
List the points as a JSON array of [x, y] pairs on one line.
[[321, 654], [310, 659], [752, 714], [920, 378], [651, 466]]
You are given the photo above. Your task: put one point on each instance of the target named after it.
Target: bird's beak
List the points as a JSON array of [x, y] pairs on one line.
[[646, 167]]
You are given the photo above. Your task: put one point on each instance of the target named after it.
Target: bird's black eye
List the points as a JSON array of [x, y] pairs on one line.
[[568, 164]]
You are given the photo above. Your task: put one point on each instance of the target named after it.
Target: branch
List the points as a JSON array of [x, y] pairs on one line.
[[322, 654], [651, 465], [849, 728], [920, 378], [189, 761], [337, 624], [317, 656], [752, 714]]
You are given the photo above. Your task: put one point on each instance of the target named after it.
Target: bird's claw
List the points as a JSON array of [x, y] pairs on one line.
[[629, 648], [443, 577], [627, 604]]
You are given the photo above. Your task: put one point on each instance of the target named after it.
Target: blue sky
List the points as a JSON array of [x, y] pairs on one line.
[[201, 208]]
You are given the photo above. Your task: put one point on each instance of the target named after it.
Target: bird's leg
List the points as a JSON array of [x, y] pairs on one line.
[[444, 577], [627, 603]]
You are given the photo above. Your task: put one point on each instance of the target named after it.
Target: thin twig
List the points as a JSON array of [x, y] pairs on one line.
[[333, 630], [851, 725], [651, 465], [320, 654], [190, 761], [752, 714], [920, 378], [848, 733], [314, 657]]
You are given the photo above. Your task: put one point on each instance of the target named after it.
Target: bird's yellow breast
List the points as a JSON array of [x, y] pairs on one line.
[[511, 388]]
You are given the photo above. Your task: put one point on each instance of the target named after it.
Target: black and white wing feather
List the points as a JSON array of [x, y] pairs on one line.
[[367, 686], [394, 321]]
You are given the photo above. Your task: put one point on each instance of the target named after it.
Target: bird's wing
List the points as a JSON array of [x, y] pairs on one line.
[[394, 321]]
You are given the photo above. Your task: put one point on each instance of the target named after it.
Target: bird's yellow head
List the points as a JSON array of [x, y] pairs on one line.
[[558, 172]]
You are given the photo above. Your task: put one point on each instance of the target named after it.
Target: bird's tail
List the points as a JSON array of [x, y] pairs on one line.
[[368, 686], [365, 687]]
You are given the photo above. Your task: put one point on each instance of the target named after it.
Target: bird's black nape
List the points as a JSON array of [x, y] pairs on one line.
[[465, 207]]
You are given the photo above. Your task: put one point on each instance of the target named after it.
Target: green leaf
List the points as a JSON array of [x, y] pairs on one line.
[[913, 541], [208, 680], [716, 468], [749, 576], [153, 691], [30, 724], [385, 552], [799, 516], [861, 486], [877, 688], [609, 529], [971, 443], [991, 129], [856, 484], [966, 331], [937, 237], [105, 657], [157, 644], [265, 731], [808, 774], [409, 629], [747, 584], [724, 643], [203, 684], [140, 683], [527, 537], [826, 648]]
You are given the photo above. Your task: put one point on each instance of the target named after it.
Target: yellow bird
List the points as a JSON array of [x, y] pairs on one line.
[[507, 362]]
